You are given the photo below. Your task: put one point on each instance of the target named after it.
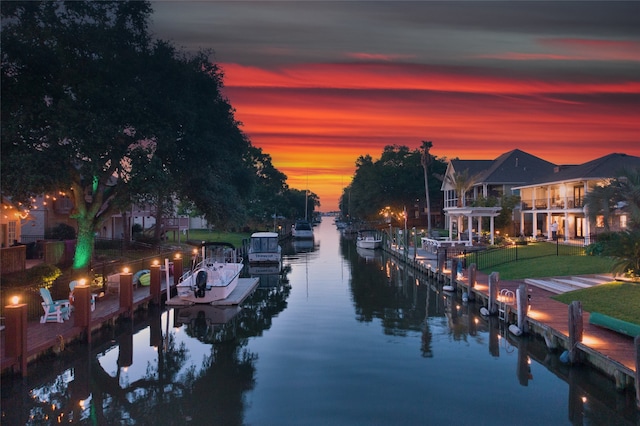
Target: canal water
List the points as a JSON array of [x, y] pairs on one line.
[[340, 337]]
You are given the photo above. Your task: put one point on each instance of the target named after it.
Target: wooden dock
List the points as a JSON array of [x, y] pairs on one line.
[[245, 287], [612, 353], [42, 339]]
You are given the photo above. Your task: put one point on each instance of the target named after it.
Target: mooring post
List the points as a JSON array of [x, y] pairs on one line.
[[454, 272], [494, 279], [126, 291], [154, 282], [575, 330], [15, 334], [177, 268], [82, 308], [472, 281], [523, 305]]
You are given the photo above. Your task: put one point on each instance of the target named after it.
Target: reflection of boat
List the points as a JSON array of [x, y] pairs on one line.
[[204, 321], [369, 254], [212, 278], [209, 314], [302, 230], [264, 248], [303, 246], [369, 239], [268, 274]]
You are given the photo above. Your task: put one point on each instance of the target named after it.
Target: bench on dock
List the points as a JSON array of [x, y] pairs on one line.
[[614, 324]]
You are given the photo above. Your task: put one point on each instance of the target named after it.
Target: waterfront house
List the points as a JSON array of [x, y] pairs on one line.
[[558, 198], [468, 182]]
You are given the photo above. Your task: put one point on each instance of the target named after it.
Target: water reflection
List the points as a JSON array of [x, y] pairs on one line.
[[371, 343]]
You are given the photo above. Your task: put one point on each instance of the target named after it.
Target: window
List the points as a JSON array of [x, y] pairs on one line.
[[11, 231], [600, 221], [623, 221]]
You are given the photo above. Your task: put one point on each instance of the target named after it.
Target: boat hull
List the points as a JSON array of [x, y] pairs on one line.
[[369, 243], [221, 280]]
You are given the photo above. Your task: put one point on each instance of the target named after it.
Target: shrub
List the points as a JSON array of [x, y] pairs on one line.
[[43, 273], [61, 231]]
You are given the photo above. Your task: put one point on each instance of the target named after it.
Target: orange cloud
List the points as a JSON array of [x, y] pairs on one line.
[[316, 120]]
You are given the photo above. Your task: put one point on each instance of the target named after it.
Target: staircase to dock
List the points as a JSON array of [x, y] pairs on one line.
[[560, 285]]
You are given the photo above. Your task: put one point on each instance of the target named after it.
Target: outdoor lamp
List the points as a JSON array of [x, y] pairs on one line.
[[15, 300]]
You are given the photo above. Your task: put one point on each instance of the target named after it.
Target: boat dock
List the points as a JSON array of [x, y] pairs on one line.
[[23, 342], [245, 287], [614, 354]]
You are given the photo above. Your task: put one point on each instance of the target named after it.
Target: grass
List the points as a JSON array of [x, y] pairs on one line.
[[552, 266], [234, 238], [620, 300]]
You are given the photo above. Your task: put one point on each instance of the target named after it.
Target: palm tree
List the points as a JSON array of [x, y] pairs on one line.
[[426, 161], [621, 192], [462, 182]]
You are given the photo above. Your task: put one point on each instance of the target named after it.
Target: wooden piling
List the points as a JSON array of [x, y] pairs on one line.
[[522, 306], [576, 328], [126, 292], [82, 309], [473, 269], [15, 335], [154, 283], [454, 274], [177, 269], [494, 279]]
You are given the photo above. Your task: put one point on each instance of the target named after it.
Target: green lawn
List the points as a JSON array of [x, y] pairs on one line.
[[537, 260], [617, 299], [620, 300], [552, 266], [234, 238]]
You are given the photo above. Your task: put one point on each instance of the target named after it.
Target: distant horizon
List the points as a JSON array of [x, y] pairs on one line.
[[317, 85]]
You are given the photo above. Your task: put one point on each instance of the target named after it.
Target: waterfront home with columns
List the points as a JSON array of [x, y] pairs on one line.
[[559, 198], [467, 182]]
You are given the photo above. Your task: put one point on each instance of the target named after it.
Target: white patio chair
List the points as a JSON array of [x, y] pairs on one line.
[[54, 310]]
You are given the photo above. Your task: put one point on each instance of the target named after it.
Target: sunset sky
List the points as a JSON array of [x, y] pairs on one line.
[[318, 84]]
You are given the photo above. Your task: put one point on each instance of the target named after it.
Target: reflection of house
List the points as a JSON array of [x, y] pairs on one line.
[[559, 196], [468, 182]]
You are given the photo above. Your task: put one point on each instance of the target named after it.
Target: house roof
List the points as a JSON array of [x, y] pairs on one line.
[[605, 167], [513, 167]]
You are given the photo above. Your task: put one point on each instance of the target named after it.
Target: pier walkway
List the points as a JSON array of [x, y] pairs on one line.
[[52, 336], [612, 353]]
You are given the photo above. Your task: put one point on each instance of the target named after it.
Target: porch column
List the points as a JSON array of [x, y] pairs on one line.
[[587, 227], [470, 229], [450, 228], [480, 225], [534, 223], [549, 226], [566, 226], [491, 232]]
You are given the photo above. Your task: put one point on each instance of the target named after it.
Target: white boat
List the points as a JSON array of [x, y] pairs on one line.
[[264, 248], [302, 230], [213, 276], [369, 239]]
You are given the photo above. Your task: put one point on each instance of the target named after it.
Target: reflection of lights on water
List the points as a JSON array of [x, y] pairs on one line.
[[476, 320], [584, 399]]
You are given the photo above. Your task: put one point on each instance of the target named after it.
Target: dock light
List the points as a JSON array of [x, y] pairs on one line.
[[15, 300], [177, 256], [125, 270], [156, 263], [82, 281]]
